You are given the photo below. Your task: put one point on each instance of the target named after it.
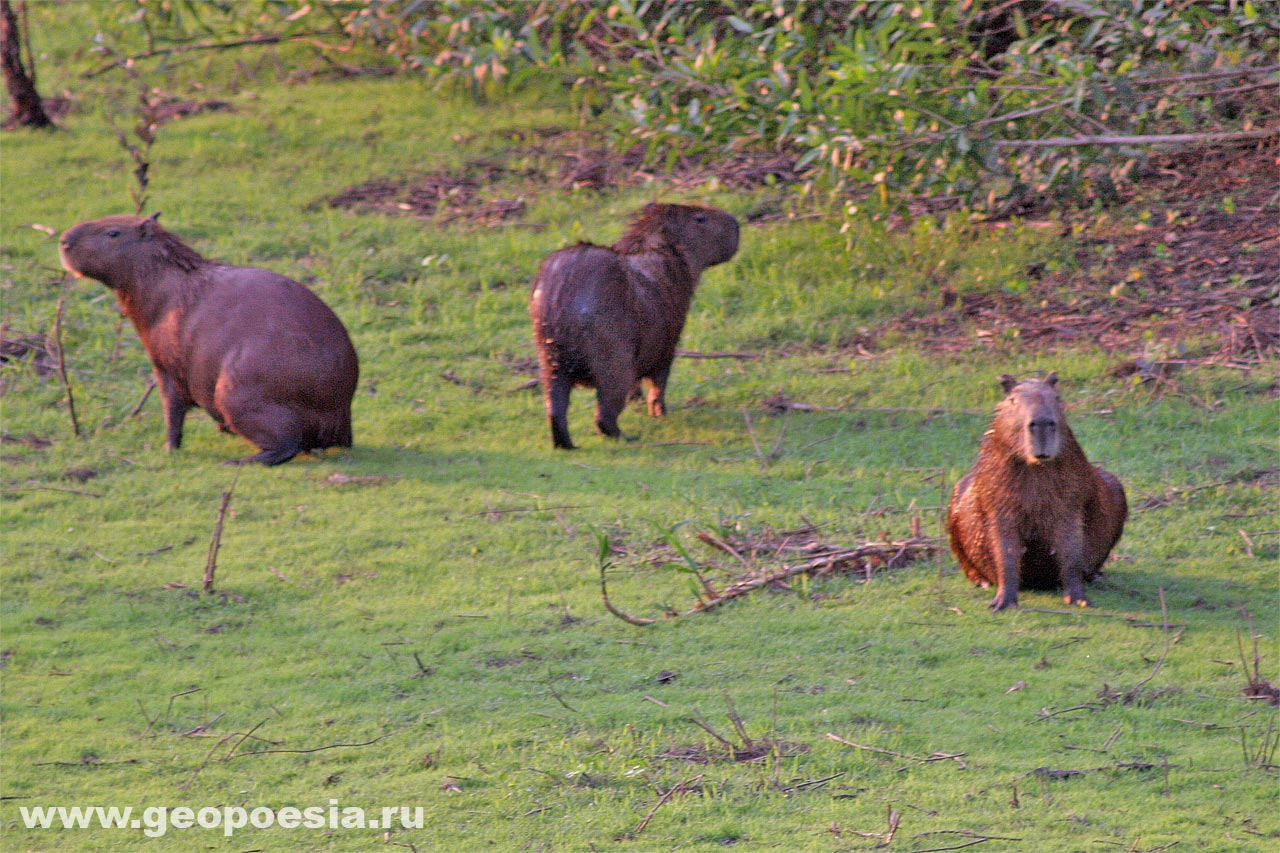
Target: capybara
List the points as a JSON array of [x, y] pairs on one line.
[[1032, 511], [609, 316], [262, 354]]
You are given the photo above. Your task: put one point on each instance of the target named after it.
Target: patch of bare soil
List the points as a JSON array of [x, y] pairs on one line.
[[551, 157], [450, 195], [1206, 266]]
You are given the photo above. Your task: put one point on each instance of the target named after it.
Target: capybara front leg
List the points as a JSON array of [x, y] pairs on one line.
[[175, 409], [1009, 551], [1070, 548], [558, 411]]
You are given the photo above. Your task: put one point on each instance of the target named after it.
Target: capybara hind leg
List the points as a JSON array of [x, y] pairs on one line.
[[558, 412], [609, 405], [277, 429], [270, 456], [657, 395]]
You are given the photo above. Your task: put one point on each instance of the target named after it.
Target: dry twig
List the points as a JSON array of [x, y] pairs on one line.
[[215, 541]]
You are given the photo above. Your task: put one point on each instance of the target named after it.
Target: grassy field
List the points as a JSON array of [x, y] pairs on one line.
[[418, 621]]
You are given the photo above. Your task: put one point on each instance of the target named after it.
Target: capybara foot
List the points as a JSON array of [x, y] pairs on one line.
[[1004, 601], [272, 456], [560, 436], [1078, 600]]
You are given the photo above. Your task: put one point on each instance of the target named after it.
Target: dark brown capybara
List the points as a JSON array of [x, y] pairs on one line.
[[610, 316], [262, 354], [1032, 511]]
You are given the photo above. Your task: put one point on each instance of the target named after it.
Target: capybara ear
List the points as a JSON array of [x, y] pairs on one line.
[[147, 229], [1052, 379], [1007, 382]]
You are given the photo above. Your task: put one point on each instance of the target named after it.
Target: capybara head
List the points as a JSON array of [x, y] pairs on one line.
[[706, 236], [116, 250], [1030, 418]]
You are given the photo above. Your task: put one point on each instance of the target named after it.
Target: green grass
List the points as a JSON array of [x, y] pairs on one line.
[[448, 616]]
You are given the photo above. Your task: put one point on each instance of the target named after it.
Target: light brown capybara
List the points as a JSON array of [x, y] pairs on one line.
[[610, 316], [262, 354], [1032, 511]]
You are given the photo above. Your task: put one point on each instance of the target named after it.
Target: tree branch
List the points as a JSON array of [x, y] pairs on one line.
[[1154, 139]]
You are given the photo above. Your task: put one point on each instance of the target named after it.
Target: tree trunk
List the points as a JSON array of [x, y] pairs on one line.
[[27, 109]]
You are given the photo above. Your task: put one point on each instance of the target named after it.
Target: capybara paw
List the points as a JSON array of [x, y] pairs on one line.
[[1078, 600], [1004, 601]]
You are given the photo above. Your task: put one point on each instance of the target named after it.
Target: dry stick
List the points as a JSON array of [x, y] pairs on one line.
[[1153, 139], [683, 786], [744, 356], [54, 489], [1168, 640], [209, 755], [62, 361], [822, 562], [751, 431], [698, 720], [501, 511], [313, 749], [937, 756], [716, 542], [983, 840], [215, 542], [164, 51], [608, 605], [738, 725], [137, 410]]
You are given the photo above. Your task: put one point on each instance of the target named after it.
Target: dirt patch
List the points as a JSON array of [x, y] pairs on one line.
[[1205, 265], [541, 157], [444, 194], [16, 346]]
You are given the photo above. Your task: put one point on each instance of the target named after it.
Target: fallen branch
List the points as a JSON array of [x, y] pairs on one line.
[[54, 489], [936, 756], [254, 41], [683, 787], [744, 356], [1152, 139], [831, 561], [313, 749]]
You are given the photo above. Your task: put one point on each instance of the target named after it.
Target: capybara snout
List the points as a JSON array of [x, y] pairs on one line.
[[1036, 410], [1032, 511], [608, 317]]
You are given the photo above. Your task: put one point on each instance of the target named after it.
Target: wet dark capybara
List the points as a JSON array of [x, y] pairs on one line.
[[1032, 511], [262, 354], [610, 316]]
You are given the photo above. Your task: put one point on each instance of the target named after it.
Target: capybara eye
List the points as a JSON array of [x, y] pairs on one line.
[[700, 217], [114, 232]]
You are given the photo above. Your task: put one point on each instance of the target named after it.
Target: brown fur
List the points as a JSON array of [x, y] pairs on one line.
[[263, 355], [1032, 511], [609, 317]]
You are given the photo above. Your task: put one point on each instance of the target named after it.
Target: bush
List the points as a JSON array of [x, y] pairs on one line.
[[978, 102]]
